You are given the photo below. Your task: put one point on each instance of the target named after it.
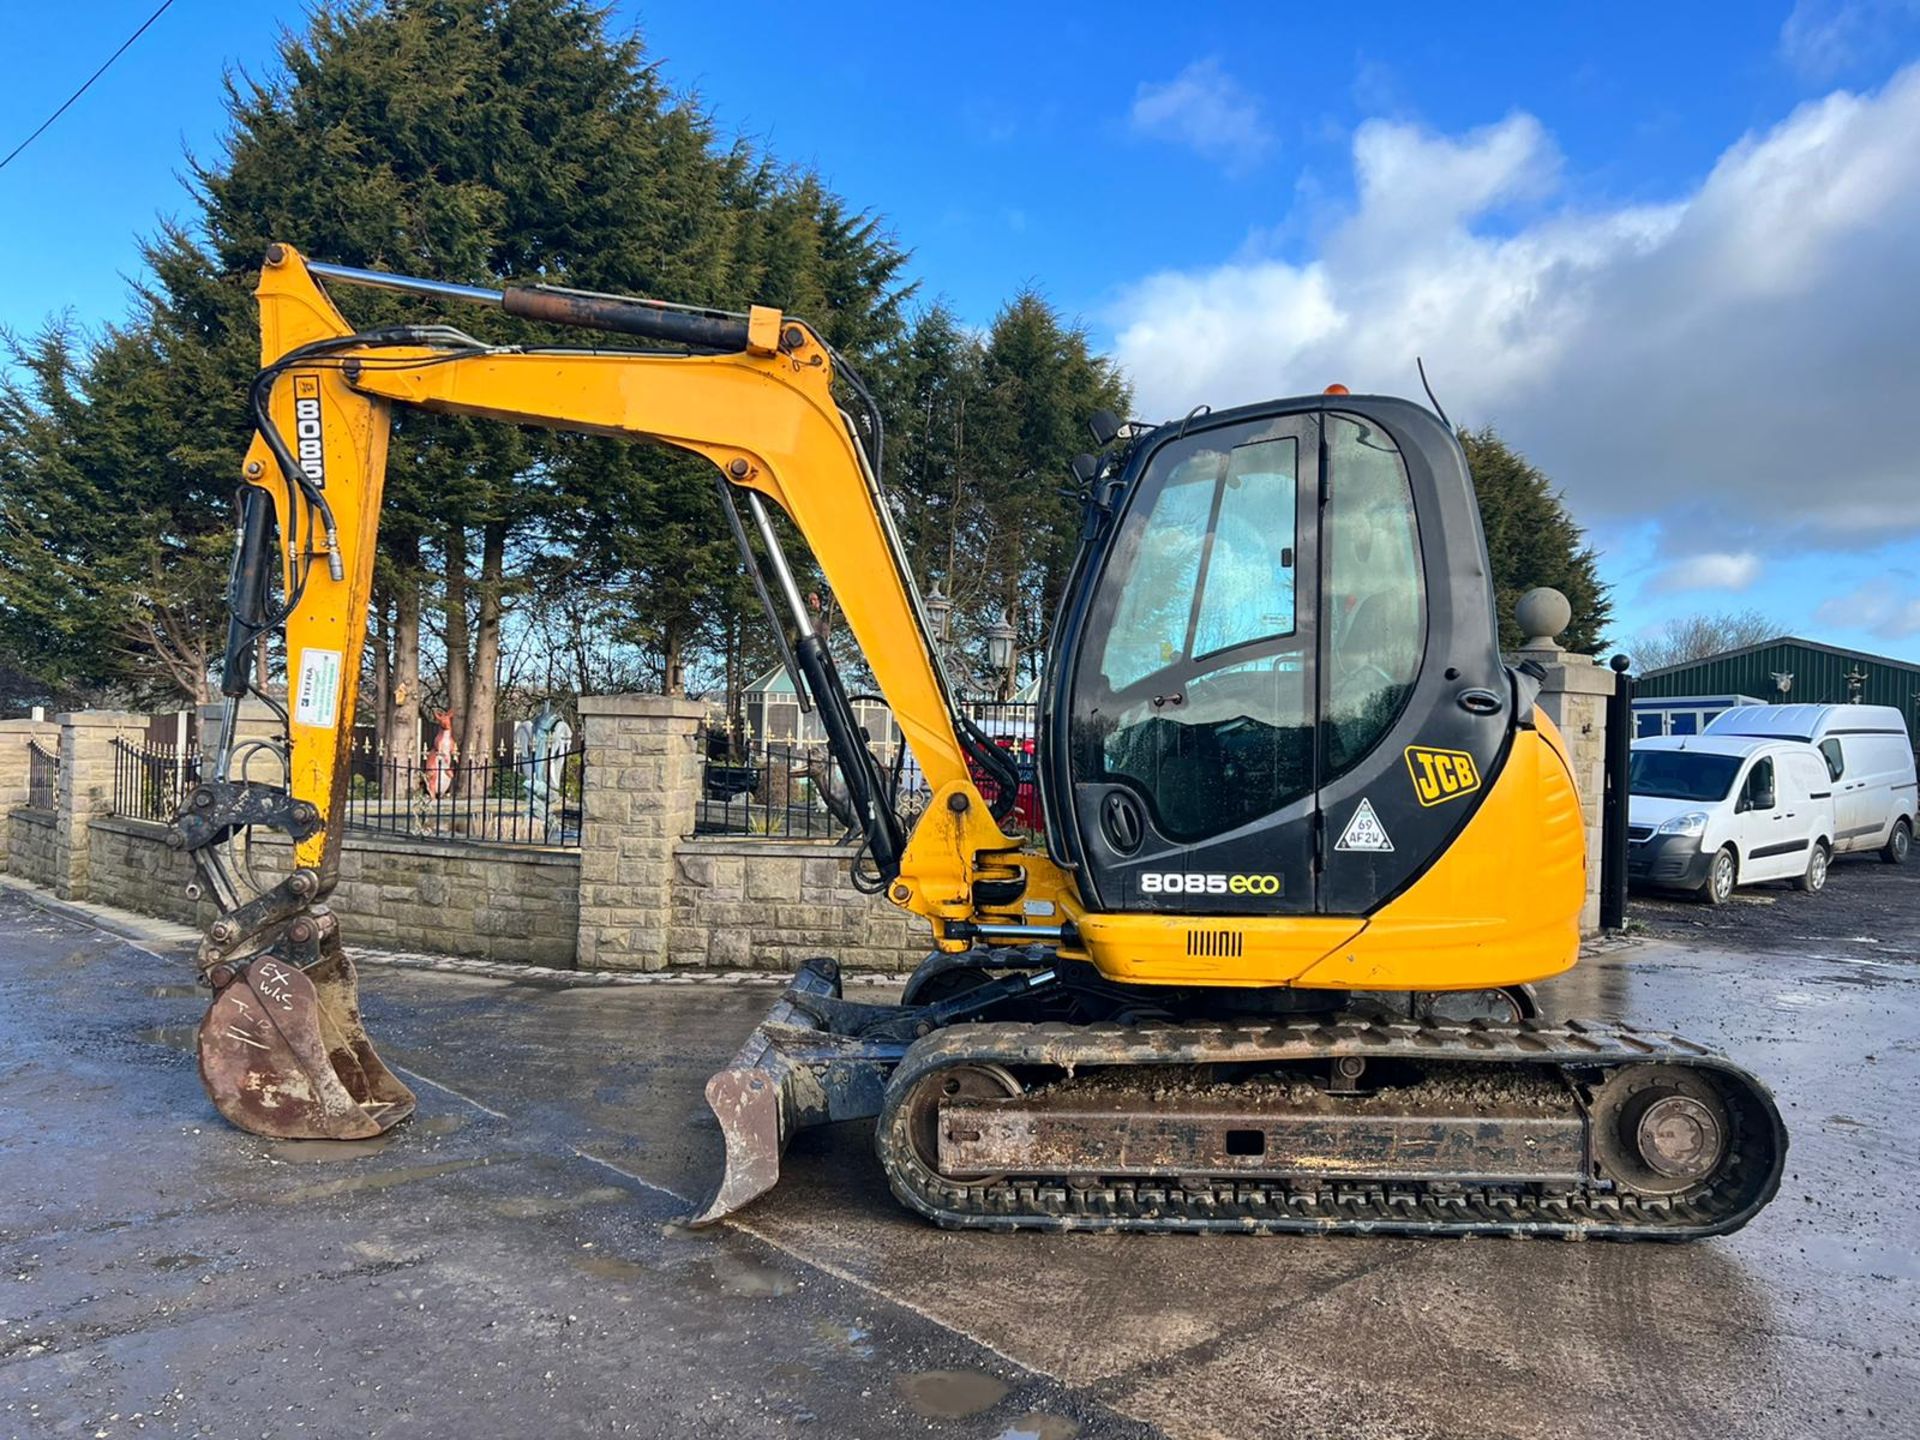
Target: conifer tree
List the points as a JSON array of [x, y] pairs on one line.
[[1532, 539]]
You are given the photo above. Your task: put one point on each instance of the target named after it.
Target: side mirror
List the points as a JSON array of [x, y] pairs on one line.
[[1760, 798], [1103, 425]]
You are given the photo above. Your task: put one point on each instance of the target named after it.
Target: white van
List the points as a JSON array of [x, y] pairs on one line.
[[1869, 757], [1709, 812]]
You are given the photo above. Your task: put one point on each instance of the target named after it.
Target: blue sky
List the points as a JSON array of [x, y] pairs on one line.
[[1672, 251]]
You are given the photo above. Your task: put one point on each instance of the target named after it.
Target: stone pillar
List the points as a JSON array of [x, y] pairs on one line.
[[1574, 696], [641, 798], [86, 788], [14, 736], [252, 720]]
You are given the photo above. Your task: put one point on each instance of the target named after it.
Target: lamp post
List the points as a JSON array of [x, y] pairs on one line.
[[1000, 638], [940, 612]]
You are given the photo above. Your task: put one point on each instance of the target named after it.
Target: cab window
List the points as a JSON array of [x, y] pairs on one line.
[[1205, 694], [1759, 793], [1213, 567], [1376, 615]]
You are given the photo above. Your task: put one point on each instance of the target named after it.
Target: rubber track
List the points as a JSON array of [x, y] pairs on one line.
[[1595, 1210]]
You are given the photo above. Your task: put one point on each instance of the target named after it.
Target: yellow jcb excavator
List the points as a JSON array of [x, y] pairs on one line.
[[1308, 838]]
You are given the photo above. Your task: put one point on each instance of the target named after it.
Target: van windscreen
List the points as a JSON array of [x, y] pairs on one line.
[[1682, 774]]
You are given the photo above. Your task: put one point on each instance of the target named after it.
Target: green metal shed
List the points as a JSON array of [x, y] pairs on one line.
[[1820, 676]]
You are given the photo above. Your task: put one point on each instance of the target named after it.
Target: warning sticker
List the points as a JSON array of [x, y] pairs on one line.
[[316, 701], [1364, 831]]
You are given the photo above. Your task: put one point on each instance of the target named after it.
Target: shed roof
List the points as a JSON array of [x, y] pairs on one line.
[[1797, 640]]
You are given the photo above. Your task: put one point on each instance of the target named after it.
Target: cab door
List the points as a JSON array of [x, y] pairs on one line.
[[1769, 828], [1193, 710]]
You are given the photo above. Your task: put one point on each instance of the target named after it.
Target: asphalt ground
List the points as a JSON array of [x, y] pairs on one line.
[[1867, 910], [509, 1261]]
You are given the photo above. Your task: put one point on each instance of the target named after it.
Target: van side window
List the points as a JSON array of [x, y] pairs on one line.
[[1759, 792], [1836, 761]]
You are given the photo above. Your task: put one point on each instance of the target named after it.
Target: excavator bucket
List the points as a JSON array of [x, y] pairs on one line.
[[283, 1054], [814, 1060]]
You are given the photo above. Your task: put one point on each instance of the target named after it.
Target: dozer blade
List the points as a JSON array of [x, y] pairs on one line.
[[813, 1060], [283, 1054]]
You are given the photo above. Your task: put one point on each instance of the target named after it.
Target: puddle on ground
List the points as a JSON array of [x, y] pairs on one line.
[[1858, 982], [440, 1124], [326, 1152], [1040, 1427], [749, 1278], [951, 1394], [373, 1179], [186, 991], [182, 1261], [610, 1267], [532, 1207], [852, 1339], [174, 1037]]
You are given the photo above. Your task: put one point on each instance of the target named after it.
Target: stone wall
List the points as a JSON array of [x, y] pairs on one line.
[[31, 836], [768, 905], [133, 869], [86, 793], [642, 794], [32, 845], [488, 902]]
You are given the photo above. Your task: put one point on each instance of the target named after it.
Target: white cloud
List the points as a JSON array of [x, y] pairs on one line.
[[1888, 606], [1205, 109], [1714, 571], [1821, 38], [1739, 361]]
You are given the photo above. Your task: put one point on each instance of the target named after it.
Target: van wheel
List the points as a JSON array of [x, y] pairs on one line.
[[1721, 877], [1899, 844], [1815, 880]]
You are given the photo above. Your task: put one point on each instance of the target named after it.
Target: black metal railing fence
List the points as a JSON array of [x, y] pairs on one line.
[[776, 791], [791, 790], [149, 781], [43, 776], [508, 799]]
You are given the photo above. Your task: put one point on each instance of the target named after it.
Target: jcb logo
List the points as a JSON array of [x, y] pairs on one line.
[[1175, 882], [308, 444], [1441, 775]]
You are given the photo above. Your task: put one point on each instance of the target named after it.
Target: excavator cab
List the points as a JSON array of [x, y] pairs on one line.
[[1276, 688]]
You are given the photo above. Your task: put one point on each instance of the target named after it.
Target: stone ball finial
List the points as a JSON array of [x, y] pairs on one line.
[[1543, 614]]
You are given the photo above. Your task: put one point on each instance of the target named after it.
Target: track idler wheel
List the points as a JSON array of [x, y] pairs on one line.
[[1660, 1129], [283, 1052], [958, 1082]]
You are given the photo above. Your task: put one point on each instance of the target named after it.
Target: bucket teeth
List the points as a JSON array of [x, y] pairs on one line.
[[283, 1054]]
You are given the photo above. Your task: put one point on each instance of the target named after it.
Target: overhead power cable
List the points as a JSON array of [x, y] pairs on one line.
[[165, 6]]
